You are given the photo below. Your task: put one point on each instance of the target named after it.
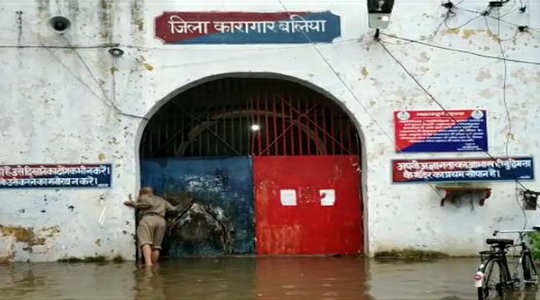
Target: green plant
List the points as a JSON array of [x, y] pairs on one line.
[[118, 259], [535, 244], [410, 255]]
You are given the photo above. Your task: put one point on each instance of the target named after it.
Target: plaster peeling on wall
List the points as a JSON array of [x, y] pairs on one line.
[[137, 14], [364, 72], [43, 8], [487, 93], [28, 235], [467, 33], [8, 256], [483, 75], [74, 7], [148, 66], [492, 35], [424, 58], [105, 17]]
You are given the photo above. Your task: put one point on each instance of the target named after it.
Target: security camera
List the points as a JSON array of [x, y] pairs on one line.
[[60, 24], [379, 13]]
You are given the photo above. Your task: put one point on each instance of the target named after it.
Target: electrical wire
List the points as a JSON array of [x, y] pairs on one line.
[[336, 74], [330, 66], [432, 97], [104, 96], [462, 25], [460, 50], [499, 19], [344, 84], [449, 12], [505, 74], [408, 73], [108, 101], [508, 117], [138, 47], [486, 13], [72, 47]]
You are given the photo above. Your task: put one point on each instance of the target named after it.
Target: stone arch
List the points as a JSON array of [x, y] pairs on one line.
[[265, 75]]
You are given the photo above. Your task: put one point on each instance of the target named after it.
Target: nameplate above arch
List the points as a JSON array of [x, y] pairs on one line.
[[247, 27]]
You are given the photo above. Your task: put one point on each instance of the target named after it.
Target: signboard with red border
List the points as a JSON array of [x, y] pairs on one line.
[[440, 131], [247, 27], [465, 169]]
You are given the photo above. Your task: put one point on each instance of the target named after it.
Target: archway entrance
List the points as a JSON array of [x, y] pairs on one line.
[[265, 166]]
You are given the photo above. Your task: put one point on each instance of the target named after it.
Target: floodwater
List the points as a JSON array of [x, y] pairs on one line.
[[298, 278]]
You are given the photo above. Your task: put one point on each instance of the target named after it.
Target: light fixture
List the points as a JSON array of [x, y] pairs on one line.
[[116, 52], [60, 24], [255, 127], [379, 13]]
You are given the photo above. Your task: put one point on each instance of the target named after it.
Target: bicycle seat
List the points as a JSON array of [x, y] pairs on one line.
[[501, 242]]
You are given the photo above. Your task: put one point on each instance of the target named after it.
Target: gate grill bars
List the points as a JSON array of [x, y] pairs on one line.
[[217, 119]]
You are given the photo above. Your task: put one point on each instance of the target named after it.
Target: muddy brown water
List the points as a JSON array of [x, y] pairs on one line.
[[298, 278]]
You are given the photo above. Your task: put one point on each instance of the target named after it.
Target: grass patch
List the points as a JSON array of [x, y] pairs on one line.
[[535, 244], [118, 259], [88, 259], [95, 259], [70, 260], [410, 255]]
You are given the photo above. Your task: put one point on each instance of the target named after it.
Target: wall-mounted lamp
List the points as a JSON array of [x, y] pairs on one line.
[[116, 52], [59, 24], [379, 13], [255, 127]]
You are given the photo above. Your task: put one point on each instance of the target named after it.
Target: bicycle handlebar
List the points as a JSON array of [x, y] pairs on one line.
[[534, 229]]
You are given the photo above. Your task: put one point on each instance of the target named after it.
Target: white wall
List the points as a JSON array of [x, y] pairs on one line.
[[62, 105]]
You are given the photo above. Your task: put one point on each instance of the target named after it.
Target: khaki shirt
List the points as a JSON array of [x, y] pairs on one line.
[[157, 204]]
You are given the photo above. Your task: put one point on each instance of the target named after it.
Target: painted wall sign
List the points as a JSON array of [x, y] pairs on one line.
[[440, 131], [466, 169], [52, 176], [247, 27]]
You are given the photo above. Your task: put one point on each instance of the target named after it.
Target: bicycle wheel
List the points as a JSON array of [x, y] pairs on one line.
[[529, 270], [494, 280]]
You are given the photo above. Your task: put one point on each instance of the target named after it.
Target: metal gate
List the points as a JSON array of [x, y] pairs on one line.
[[278, 123], [216, 196], [307, 205], [234, 117]]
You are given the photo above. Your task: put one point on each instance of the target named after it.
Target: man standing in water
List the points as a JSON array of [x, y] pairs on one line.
[[152, 226]]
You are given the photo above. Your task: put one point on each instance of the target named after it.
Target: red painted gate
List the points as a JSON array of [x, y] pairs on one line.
[[307, 204]]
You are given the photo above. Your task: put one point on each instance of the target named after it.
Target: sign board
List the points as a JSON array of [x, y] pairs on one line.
[[54, 176], [466, 169], [247, 27], [440, 131]]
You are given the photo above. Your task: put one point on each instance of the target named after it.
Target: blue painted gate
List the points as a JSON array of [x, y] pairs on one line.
[[217, 199]]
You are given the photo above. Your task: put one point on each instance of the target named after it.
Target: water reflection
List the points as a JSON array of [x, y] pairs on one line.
[[264, 278], [311, 278], [67, 281], [204, 278]]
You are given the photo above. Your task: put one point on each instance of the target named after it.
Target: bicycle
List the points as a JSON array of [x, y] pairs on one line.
[[493, 276]]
